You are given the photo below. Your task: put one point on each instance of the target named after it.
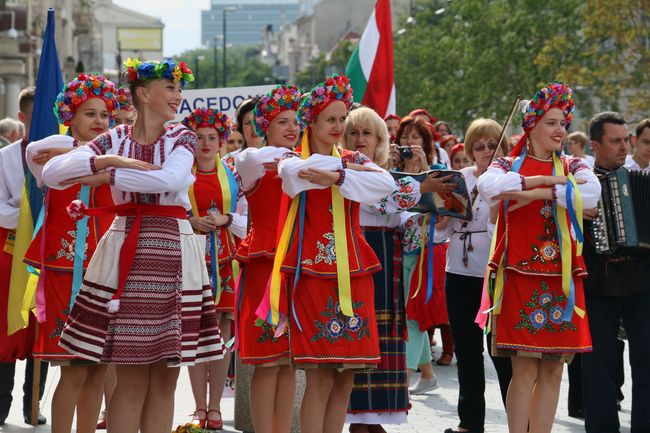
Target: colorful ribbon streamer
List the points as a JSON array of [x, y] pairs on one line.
[[229, 189], [80, 247]]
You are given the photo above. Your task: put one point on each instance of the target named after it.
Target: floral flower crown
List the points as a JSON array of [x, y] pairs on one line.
[[79, 90], [335, 88], [279, 99], [123, 95], [151, 70], [209, 118], [553, 95]]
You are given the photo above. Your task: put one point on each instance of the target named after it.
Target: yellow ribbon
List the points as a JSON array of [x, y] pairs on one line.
[[340, 246], [226, 200], [423, 251], [564, 227]]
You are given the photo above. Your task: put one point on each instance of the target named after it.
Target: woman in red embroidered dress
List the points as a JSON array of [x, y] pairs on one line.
[[273, 382], [214, 198], [53, 250], [146, 304], [538, 317], [331, 314]]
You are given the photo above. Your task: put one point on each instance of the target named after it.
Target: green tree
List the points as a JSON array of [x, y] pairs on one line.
[[244, 67], [473, 58]]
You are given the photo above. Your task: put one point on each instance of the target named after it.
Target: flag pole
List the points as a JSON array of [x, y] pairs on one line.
[[36, 386]]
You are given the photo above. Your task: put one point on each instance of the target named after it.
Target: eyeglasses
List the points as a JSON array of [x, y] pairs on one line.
[[481, 147]]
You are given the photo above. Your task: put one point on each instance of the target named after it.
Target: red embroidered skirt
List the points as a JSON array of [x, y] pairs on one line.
[[19, 344], [328, 338], [227, 300], [57, 290], [257, 344], [531, 317]]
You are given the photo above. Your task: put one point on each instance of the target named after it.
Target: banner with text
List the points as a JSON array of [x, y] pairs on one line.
[[224, 99]]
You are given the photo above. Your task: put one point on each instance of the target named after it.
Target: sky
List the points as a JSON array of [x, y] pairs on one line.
[[182, 21]]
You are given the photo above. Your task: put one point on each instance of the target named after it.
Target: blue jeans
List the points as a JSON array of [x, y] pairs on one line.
[[600, 366]]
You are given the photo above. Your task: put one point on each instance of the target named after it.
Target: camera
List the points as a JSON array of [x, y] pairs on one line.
[[405, 152]]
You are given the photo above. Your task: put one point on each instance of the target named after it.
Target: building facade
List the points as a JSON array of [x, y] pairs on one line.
[[246, 20], [87, 33], [319, 29]]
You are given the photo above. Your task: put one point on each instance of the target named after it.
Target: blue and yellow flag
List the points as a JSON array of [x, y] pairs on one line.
[[49, 83]]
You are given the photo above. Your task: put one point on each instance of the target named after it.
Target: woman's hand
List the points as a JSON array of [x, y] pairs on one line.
[[393, 157], [361, 167], [44, 155], [96, 179], [103, 162], [271, 166], [590, 214], [418, 163], [204, 224], [522, 198], [320, 177], [218, 219], [433, 183]]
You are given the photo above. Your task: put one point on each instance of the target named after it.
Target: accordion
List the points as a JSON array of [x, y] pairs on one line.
[[623, 221]]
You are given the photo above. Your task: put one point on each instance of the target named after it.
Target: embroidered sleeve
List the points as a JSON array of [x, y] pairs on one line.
[[578, 164], [101, 144], [503, 164], [75, 163], [411, 228], [590, 190], [405, 196], [495, 181], [188, 140], [175, 175]]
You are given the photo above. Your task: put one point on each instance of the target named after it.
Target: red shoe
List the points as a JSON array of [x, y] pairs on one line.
[[214, 424], [198, 420]]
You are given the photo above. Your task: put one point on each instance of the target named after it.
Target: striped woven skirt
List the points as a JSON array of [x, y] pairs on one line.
[[381, 396], [166, 309]]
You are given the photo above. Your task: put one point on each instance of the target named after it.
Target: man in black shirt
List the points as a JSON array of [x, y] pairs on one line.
[[618, 287]]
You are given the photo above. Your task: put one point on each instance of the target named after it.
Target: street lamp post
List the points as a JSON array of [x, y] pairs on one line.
[[225, 69], [196, 71], [12, 33]]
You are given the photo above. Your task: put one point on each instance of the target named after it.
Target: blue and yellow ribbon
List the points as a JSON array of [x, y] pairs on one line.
[[340, 246], [229, 188]]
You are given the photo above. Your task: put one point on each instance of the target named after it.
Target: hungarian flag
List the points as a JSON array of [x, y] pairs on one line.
[[370, 69]]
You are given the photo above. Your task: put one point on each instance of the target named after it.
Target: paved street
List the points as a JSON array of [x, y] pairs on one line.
[[431, 413]]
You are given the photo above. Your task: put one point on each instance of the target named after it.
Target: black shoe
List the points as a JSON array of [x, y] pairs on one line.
[[41, 418], [451, 430], [577, 413]]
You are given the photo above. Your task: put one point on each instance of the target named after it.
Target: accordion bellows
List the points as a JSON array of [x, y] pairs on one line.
[[624, 210]]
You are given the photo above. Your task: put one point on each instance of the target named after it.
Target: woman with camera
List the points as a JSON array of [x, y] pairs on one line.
[[467, 256], [417, 153]]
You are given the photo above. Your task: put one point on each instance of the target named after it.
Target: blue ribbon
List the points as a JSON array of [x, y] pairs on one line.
[[37, 227], [571, 302], [572, 212], [301, 229], [234, 187], [214, 264], [80, 247]]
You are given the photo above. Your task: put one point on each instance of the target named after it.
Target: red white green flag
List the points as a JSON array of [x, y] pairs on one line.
[[370, 68]]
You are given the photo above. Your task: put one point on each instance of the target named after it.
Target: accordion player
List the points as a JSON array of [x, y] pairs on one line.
[[623, 221]]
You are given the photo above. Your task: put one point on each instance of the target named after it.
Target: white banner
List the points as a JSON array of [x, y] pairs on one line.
[[225, 99]]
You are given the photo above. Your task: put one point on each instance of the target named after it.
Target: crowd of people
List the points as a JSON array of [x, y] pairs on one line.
[[288, 236]]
